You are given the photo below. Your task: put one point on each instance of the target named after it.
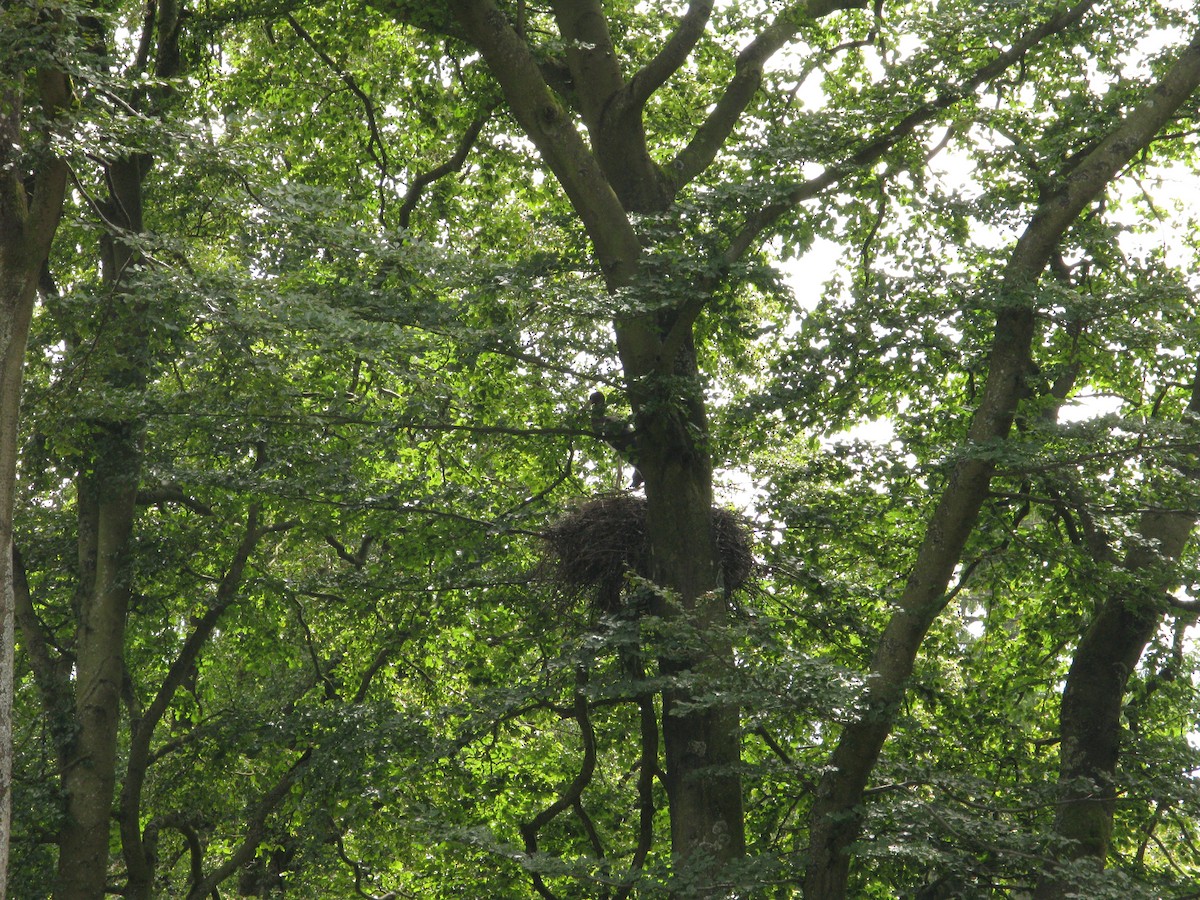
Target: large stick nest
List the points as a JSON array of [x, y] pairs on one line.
[[591, 547]]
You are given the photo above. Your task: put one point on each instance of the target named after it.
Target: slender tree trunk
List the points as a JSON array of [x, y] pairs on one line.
[[1090, 718], [16, 305], [89, 777], [27, 227], [836, 816], [107, 487]]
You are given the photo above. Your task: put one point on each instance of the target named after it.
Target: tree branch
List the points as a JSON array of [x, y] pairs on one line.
[[142, 729], [182, 823], [255, 831], [171, 493], [46, 205], [1188, 606], [49, 673], [381, 659], [376, 148], [553, 133], [454, 164], [515, 431], [747, 78], [836, 814], [570, 797], [591, 57], [871, 151], [1092, 699], [672, 56]]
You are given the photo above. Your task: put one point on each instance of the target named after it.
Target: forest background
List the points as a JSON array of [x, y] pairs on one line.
[[499, 448]]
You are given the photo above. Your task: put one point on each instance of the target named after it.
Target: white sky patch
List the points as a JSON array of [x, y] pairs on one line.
[[881, 432], [738, 488], [808, 275], [1170, 194], [1085, 407]]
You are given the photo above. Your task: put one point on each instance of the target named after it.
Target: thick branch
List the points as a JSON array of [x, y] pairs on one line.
[[382, 658], [1090, 721], [673, 55], [617, 247], [550, 128], [28, 223], [171, 493], [46, 205], [515, 431], [591, 57], [767, 216], [182, 823], [27, 228], [747, 78], [1099, 167]]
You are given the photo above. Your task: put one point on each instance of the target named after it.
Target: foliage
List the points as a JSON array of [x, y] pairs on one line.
[[367, 323]]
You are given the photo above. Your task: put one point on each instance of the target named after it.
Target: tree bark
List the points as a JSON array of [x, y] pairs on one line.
[[836, 816], [701, 743], [702, 748], [106, 488], [27, 227]]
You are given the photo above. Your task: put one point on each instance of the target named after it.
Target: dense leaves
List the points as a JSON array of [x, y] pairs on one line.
[[344, 360]]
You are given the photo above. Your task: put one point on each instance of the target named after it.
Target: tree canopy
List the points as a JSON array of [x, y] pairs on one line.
[[497, 448]]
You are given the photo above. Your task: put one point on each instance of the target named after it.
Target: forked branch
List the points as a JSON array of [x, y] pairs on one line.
[[572, 796], [454, 164]]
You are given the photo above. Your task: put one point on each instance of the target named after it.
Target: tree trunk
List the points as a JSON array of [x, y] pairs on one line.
[[89, 776], [657, 356], [1090, 717], [702, 745], [16, 306], [27, 227], [836, 817], [107, 487]]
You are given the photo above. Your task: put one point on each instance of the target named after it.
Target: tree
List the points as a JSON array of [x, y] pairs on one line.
[[614, 177], [31, 196]]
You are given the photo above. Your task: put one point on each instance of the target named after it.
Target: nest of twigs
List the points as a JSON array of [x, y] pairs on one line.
[[592, 547]]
